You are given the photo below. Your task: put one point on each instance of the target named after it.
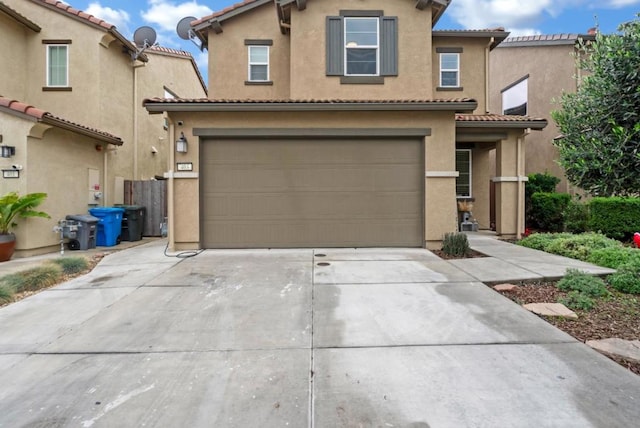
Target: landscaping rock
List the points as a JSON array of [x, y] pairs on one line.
[[551, 310], [629, 349], [505, 287]]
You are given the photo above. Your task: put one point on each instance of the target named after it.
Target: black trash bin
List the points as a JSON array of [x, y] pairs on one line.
[[85, 235], [132, 222]]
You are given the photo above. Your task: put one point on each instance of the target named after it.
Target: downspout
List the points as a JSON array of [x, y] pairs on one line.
[[105, 172], [171, 183], [487, 83], [520, 199], [135, 118]]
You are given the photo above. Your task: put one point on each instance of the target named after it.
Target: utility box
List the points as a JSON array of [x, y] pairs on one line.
[[132, 222], [109, 225], [81, 231]]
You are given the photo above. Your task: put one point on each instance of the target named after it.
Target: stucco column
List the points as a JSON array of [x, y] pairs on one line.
[[441, 213], [509, 187], [481, 176]]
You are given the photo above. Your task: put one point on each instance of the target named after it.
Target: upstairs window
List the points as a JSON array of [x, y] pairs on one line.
[[362, 46], [449, 70], [515, 98], [258, 63], [463, 166], [362, 42], [57, 66]]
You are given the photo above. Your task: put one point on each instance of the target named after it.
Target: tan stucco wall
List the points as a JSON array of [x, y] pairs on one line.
[[229, 57], [14, 58], [551, 71], [439, 156], [481, 184], [57, 164], [472, 69]]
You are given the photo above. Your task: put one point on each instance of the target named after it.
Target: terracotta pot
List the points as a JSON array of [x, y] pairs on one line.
[[7, 246]]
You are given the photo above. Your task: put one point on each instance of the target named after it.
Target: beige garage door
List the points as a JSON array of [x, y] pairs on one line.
[[311, 193]]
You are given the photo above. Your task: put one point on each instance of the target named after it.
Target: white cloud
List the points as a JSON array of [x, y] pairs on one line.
[[515, 15], [617, 4], [166, 14], [119, 18]]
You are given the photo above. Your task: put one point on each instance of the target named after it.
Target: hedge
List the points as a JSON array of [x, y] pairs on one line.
[[548, 210], [615, 217]]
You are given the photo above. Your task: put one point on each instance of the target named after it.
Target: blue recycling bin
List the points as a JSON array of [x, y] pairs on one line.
[[109, 225]]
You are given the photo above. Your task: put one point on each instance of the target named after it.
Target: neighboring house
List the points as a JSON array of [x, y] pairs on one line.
[[340, 123], [77, 66], [529, 74]]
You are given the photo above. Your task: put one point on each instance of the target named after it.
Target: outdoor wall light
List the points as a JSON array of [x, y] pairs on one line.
[[7, 151], [181, 144]]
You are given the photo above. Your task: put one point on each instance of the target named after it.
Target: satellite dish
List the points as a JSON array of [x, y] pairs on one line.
[[184, 28], [144, 37]]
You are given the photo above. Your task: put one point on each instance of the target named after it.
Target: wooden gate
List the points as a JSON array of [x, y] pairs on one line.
[[153, 196]]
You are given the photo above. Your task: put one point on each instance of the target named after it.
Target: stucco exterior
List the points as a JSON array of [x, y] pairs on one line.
[[549, 63], [303, 97], [105, 90]]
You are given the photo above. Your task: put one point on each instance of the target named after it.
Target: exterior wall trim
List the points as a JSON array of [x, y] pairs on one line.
[[361, 13], [258, 42], [449, 50], [522, 178], [362, 80], [442, 174], [311, 132]]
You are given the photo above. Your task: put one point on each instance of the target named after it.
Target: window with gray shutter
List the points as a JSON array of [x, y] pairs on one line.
[[360, 59]]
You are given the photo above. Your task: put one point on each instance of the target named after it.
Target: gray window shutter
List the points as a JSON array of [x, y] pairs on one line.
[[388, 46], [335, 46]]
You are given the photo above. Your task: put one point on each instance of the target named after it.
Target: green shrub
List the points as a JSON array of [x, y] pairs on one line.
[[615, 257], [455, 244], [537, 183], [626, 279], [582, 282], [6, 294], [581, 246], [615, 217], [548, 210], [33, 279], [576, 217], [72, 265], [578, 300], [540, 241]]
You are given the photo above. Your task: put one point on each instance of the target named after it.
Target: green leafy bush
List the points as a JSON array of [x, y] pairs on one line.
[[581, 246], [541, 241], [615, 257], [578, 300], [626, 279], [576, 217], [536, 183], [582, 282], [455, 244], [615, 217], [548, 210], [32, 279], [72, 265]]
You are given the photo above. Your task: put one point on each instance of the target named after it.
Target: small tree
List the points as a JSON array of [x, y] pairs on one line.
[[600, 123]]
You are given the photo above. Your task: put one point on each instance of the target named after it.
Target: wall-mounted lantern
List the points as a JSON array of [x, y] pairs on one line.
[[181, 144]]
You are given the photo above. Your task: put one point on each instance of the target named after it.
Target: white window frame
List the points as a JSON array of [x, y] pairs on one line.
[[376, 46], [470, 173], [250, 48], [48, 65], [457, 70]]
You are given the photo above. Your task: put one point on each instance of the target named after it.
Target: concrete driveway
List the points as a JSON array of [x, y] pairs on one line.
[[296, 338]]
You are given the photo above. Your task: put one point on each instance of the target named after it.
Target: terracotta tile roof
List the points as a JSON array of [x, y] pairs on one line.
[[307, 101], [496, 119], [19, 17], [548, 39], [224, 11], [46, 117], [498, 34], [479, 30]]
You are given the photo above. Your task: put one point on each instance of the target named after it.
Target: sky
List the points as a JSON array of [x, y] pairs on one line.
[[520, 17]]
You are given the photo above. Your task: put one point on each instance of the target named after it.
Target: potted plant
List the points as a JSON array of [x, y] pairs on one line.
[[13, 205]]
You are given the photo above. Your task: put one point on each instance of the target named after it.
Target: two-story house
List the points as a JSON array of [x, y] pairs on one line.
[[59, 62], [340, 123], [530, 73]]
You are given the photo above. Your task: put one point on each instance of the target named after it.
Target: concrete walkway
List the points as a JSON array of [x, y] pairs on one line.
[[302, 338]]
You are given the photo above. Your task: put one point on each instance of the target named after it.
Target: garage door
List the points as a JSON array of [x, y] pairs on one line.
[[311, 193]]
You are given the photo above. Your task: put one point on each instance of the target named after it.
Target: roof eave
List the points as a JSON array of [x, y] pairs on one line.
[[19, 18], [536, 125], [53, 121], [454, 106], [497, 36]]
